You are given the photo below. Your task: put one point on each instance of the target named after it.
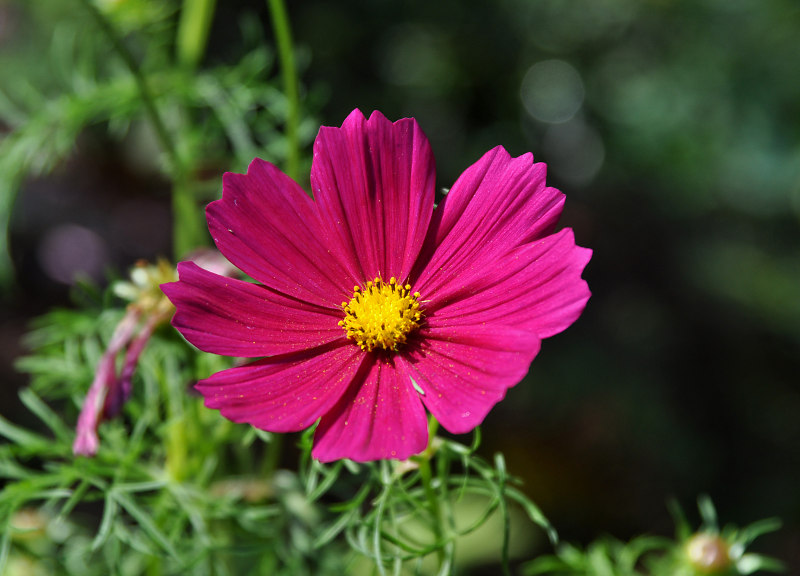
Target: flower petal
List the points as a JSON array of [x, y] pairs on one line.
[[94, 405], [497, 204], [373, 182], [464, 372], [285, 393], [536, 287], [268, 227], [380, 417], [235, 318]]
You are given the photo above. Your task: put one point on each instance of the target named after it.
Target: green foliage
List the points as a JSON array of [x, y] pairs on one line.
[[122, 77], [603, 557], [177, 489], [174, 489], [706, 551], [399, 513]]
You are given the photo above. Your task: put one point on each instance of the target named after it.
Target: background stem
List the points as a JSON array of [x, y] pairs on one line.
[[193, 28], [150, 109], [187, 229], [283, 39], [187, 222]]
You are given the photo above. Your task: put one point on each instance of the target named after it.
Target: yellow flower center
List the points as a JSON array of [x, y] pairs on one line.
[[381, 314]]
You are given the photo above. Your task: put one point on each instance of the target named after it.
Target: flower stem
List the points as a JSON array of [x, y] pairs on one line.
[[187, 221], [272, 459], [283, 39], [443, 550], [193, 28]]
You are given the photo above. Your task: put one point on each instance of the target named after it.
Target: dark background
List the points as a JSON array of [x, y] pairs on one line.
[[674, 129]]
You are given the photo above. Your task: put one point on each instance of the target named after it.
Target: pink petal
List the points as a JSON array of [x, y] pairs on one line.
[[235, 318], [268, 227], [374, 185], [86, 440], [465, 371], [536, 287], [284, 393], [119, 390], [497, 204], [380, 417]]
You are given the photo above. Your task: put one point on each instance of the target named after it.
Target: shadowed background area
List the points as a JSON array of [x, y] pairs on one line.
[[674, 129]]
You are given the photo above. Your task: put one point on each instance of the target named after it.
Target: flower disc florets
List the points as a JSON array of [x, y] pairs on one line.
[[381, 314]]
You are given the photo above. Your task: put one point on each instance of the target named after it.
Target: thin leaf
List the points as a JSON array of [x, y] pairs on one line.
[[534, 513], [45, 414], [144, 521], [750, 563], [106, 524], [5, 546], [707, 512], [756, 529], [77, 496], [140, 486], [21, 436], [13, 470], [330, 476], [334, 529]]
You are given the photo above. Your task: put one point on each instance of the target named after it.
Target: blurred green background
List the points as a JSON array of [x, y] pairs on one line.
[[674, 129]]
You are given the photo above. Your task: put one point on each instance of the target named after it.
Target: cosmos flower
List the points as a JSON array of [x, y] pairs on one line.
[[370, 305]]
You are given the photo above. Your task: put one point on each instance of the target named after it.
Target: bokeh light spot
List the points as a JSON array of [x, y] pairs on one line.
[[552, 91], [69, 251], [574, 150]]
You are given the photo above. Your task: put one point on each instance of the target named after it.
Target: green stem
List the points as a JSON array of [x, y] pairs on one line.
[[283, 39], [187, 228], [273, 457], [193, 28], [430, 492], [163, 135], [504, 555], [187, 221]]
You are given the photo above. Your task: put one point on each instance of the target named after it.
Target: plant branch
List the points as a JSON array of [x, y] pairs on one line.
[[163, 135], [187, 230], [193, 28], [283, 39]]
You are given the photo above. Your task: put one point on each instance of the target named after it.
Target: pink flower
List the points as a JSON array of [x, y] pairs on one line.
[[371, 305]]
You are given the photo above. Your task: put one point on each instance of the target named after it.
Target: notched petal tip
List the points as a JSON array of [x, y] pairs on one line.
[[284, 393], [381, 417], [267, 226], [374, 186], [497, 205], [377, 121], [465, 370]]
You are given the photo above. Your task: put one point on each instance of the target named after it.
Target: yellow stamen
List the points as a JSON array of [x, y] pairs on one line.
[[381, 314]]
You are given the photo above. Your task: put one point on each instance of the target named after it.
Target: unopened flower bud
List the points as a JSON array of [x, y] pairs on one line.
[[708, 553]]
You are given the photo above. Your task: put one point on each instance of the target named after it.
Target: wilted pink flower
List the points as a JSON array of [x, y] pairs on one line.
[[147, 310], [371, 305], [110, 389], [106, 392]]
